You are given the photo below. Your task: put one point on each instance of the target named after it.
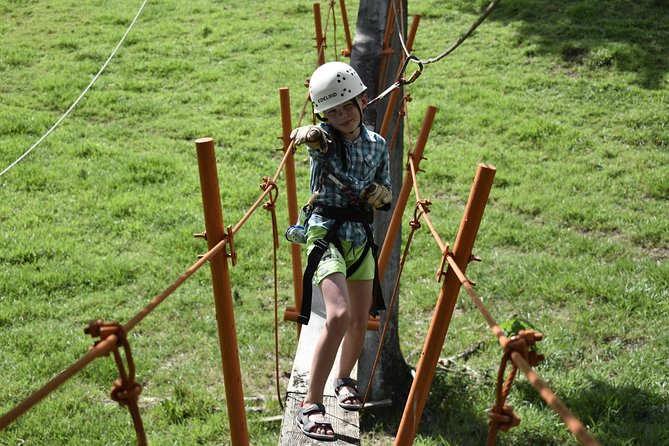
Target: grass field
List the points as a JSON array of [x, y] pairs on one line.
[[569, 100]]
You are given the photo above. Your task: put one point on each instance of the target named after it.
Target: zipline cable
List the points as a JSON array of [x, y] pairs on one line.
[[83, 93], [463, 37], [421, 62]]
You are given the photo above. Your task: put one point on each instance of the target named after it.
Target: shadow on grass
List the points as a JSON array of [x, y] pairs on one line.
[[449, 416], [627, 35], [624, 415]]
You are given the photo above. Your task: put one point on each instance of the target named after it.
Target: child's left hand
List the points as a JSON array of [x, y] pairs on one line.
[[376, 194]]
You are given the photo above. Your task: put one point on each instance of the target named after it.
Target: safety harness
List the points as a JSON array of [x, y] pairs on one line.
[[340, 215]]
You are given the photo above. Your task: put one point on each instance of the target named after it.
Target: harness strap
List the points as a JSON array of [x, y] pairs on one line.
[[340, 215], [320, 246]]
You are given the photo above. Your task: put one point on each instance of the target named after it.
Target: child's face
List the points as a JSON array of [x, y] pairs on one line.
[[345, 117]]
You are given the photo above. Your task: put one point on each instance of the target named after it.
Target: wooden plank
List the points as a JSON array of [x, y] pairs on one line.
[[346, 424]]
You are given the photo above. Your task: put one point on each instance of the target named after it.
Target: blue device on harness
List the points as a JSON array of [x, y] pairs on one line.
[[296, 233]]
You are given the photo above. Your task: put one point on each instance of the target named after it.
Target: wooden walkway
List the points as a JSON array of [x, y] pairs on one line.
[[345, 424]]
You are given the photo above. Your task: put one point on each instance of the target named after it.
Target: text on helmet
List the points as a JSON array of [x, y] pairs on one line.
[[325, 98]]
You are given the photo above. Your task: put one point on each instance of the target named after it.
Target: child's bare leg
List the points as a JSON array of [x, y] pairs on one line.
[[335, 296], [360, 296]]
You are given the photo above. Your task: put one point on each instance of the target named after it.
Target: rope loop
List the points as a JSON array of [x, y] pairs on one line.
[[273, 193], [232, 253], [99, 328], [422, 207], [125, 390], [502, 417]]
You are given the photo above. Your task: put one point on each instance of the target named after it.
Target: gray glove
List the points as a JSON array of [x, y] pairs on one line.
[[311, 135], [376, 194]]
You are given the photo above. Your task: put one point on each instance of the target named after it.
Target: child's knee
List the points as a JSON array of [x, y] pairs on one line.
[[359, 323], [339, 320]]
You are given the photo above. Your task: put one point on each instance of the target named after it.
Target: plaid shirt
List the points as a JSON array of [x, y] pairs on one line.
[[365, 161]]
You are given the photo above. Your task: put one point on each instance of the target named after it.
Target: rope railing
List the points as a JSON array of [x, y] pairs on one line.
[[105, 346], [516, 349], [502, 416]]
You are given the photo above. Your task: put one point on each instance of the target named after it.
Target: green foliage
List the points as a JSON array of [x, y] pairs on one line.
[[514, 326], [567, 100]]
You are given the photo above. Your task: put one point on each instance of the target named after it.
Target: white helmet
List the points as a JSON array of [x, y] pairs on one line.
[[332, 84]]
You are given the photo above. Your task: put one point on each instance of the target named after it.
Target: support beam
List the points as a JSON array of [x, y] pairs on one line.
[[220, 277], [462, 250], [291, 197]]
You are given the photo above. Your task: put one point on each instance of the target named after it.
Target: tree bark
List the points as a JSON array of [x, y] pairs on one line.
[[392, 378]]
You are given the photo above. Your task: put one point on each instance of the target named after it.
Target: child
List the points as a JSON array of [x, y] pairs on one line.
[[349, 178]]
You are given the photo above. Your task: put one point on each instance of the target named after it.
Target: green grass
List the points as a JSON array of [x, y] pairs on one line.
[[568, 100]]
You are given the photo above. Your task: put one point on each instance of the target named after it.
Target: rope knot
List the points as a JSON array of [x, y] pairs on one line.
[[524, 343], [273, 193], [99, 328], [501, 415], [422, 207], [125, 393], [504, 419]]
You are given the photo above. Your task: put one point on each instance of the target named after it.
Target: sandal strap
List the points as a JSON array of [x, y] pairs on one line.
[[313, 408], [309, 425], [345, 382], [348, 396]]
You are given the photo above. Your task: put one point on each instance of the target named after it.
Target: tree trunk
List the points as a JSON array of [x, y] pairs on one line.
[[392, 378]]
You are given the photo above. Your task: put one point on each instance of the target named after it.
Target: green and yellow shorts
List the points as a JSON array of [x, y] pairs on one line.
[[334, 261]]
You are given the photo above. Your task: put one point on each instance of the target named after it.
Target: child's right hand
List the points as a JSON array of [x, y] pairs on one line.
[[311, 135]]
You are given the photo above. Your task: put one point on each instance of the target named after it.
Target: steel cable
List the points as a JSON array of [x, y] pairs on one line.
[[83, 93]]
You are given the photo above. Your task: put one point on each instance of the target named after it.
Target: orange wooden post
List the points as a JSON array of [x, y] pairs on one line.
[[388, 31], [291, 196], [390, 109], [320, 41], [347, 31], [396, 219], [412, 32], [225, 318], [443, 312]]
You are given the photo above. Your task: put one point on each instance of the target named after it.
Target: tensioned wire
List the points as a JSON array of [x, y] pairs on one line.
[[409, 57], [453, 46], [83, 93]]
